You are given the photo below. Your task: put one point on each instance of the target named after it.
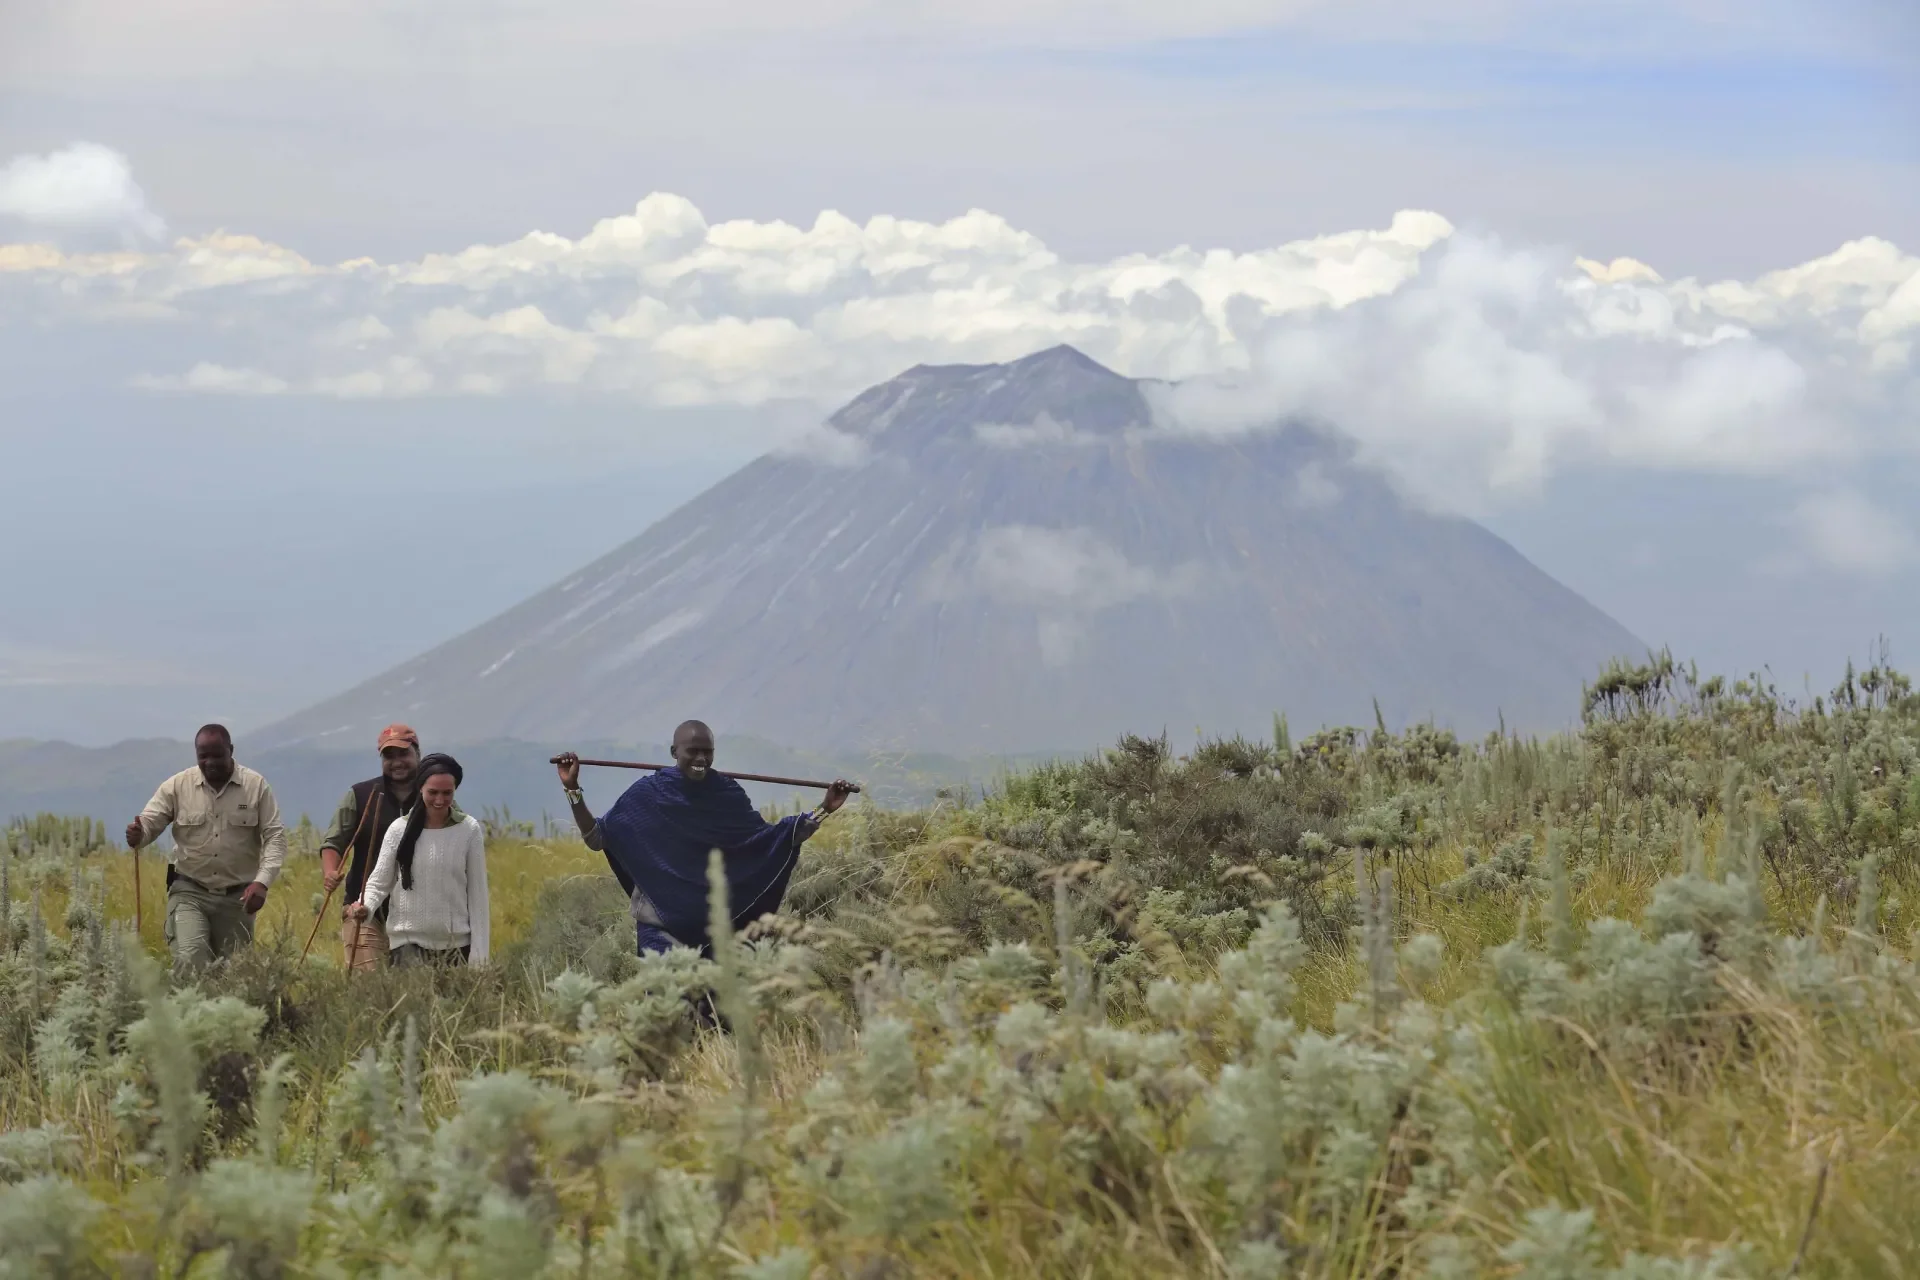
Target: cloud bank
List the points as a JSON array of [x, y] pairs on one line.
[[1471, 368], [1492, 368]]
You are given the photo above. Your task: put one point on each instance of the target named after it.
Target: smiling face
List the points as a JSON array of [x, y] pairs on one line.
[[437, 794], [398, 763], [214, 751], [693, 750]]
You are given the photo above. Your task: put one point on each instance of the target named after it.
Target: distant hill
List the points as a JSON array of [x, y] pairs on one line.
[[112, 783], [996, 558]]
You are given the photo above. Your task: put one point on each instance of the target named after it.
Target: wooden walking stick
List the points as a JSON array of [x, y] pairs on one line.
[[315, 931], [324, 902], [139, 916], [353, 948], [741, 777]]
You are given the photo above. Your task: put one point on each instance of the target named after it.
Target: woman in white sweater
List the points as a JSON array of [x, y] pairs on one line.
[[439, 856]]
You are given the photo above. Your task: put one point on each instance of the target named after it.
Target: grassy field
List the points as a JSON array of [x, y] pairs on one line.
[[1634, 1002], [517, 870]]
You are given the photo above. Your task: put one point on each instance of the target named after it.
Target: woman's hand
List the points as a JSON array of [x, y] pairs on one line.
[[569, 766], [357, 911]]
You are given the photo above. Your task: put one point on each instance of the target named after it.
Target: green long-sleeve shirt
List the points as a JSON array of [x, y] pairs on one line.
[[340, 834]]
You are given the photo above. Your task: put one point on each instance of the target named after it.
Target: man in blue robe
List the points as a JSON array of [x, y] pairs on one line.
[[659, 833]]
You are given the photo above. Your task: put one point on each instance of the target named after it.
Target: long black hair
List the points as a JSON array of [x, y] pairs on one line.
[[434, 765]]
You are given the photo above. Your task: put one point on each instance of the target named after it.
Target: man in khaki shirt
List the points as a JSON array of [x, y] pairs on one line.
[[228, 846]]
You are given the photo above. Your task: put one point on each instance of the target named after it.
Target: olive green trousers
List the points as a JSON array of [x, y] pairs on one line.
[[204, 925]]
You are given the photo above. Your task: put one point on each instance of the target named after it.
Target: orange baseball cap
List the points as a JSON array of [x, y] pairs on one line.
[[398, 735]]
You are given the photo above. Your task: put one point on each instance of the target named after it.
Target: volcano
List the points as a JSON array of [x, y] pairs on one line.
[[1006, 558]]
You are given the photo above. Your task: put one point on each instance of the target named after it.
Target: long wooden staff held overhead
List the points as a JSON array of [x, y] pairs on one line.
[[739, 777]]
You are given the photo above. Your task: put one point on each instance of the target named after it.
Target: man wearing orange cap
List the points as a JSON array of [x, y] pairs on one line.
[[364, 815]]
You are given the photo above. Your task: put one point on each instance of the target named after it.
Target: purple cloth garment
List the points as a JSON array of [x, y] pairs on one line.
[[658, 835]]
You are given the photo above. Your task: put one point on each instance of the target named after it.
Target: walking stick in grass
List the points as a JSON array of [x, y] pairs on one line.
[[324, 902], [353, 948], [739, 777], [315, 931], [139, 916]]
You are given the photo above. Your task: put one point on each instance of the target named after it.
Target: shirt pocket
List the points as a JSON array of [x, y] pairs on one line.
[[244, 819]]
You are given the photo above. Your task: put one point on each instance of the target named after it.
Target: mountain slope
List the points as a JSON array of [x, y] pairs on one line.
[[1013, 557]]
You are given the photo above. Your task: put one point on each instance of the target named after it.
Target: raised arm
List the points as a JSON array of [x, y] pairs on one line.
[[837, 794], [479, 912], [569, 768]]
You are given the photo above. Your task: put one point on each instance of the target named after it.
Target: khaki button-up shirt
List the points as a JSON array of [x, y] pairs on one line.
[[222, 838]]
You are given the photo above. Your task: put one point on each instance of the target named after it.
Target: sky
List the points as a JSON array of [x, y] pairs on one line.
[[330, 329]]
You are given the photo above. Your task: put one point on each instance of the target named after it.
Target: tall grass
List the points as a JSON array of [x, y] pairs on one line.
[[1633, 1002]]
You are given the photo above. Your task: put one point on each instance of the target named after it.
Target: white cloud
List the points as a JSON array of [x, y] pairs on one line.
[[663, 306], [216, 379], [1847, 531], [1043, 432], [395, 378], [1314, 489], [1064, 576], [82, 186], [1898, 315], [1492, 368], [825, 444], [1470, 368], [365, 331], [1068, 569]]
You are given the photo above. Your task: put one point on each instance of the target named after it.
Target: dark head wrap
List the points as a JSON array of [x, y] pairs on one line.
[[430, 766], [439, 762]]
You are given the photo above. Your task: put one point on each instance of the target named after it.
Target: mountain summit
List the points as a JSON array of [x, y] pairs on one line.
[[1012, 557], [1059, 386]]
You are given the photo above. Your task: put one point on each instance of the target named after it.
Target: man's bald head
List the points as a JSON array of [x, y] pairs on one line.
[[693, 750]]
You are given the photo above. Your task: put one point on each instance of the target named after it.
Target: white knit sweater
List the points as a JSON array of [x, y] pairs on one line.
[[447, 906]]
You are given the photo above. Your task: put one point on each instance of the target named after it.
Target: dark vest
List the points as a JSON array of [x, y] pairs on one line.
[[370, 829]]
